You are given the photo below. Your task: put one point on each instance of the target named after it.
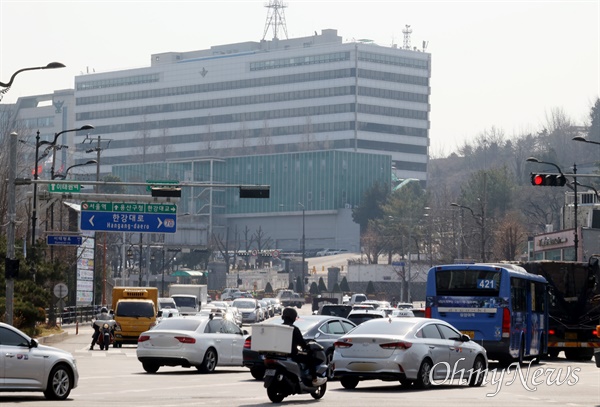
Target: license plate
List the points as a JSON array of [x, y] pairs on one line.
[[270, 372], [470, 334], [570, 335]]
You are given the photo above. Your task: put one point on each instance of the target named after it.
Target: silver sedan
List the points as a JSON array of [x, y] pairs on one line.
[[419, 351]]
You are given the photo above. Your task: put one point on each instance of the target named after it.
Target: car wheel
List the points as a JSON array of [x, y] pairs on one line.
[[424, 376], [478, 373], [320, 392], [60, 383], [257, 372], [330, 373], [150, 367], [210, 361], [349, 382]]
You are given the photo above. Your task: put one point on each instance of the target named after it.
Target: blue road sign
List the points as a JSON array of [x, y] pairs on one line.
[[64, 240], [128, 222]]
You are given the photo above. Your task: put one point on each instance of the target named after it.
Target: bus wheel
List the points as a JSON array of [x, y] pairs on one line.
[[522, 352], [553, 353]]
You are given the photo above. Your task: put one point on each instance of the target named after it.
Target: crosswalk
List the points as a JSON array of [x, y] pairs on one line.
[[111, 352]]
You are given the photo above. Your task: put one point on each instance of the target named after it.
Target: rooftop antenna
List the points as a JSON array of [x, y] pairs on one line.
[[407, 31], [275, 18]]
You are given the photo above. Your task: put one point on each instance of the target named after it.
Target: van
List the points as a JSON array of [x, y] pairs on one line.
[[135, 310], [166, 302], [357, 299]]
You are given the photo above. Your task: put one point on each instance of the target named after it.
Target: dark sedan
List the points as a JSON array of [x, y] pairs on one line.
[[323, 329]]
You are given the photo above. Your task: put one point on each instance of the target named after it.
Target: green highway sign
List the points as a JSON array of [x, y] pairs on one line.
[[130, 207], [158, 183], [64, 187]]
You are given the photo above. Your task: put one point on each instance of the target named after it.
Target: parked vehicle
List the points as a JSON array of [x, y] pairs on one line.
[[407, 350], [191, 341], [323, 329], [34, 367]]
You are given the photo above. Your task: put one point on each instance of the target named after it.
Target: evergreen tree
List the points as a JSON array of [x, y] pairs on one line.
[[268, 289], [322, 286], [370, 288], [344, 285], [314, 290]]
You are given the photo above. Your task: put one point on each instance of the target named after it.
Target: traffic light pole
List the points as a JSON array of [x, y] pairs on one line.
[[576, 237]]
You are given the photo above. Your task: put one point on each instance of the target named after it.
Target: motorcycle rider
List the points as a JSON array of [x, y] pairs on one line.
[[103, 316], [289, 316]]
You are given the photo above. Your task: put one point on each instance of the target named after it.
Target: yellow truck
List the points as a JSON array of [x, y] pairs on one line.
[[135, 310]]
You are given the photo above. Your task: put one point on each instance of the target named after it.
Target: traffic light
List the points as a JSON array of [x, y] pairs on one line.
[[254, 192], [548, 180], [166, 192]]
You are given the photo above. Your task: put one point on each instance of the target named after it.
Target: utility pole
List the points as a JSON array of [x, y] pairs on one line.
[[11, 265]]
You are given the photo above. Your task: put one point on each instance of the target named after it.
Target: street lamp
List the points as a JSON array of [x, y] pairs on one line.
[[583, 139], [50, 145], [51, 65], [480, 220], [64, 174], [303, 245]]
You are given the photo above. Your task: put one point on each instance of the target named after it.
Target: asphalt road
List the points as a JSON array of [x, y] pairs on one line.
[[116, 378]]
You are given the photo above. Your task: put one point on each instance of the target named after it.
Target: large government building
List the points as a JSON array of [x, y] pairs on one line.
[[318, 119]]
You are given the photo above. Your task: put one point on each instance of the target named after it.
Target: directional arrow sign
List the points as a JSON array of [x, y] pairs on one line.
[[128, 222]]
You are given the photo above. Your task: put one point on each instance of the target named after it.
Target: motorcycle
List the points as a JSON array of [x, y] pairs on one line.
[[107, 333], [285, 377]]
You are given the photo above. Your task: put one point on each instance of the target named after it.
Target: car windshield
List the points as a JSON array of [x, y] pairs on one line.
[[185, 301], [135, 309], [180, 324], [384, 327], [244, 304]]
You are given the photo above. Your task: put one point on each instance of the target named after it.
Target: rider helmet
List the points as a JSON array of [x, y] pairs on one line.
[[104, 310]]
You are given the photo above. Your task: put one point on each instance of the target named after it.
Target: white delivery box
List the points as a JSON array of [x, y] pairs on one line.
[[269, 338]]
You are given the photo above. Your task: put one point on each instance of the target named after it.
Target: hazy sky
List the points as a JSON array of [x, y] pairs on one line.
[[504, 64]]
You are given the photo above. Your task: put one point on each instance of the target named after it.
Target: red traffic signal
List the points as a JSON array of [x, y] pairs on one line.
[[548, 180]]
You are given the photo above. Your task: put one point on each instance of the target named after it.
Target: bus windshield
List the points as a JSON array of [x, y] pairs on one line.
[[468, 282]]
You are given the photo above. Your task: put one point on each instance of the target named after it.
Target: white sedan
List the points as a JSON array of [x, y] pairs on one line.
[[199, 341], [27, 366], [422, 351]]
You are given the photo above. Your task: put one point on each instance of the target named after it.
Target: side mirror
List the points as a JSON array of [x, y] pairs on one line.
[[159, 314], [33, 343], [245, 332], [465, 338]]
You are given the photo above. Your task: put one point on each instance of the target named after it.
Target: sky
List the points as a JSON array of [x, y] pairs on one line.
[[504, 65]]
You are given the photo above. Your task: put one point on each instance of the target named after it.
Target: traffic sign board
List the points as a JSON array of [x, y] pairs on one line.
[[129, 207], [64, 187], [64, 240], [152, 183], [128, 222]]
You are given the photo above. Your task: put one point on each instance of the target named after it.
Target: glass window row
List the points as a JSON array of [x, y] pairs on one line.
[[37, 122], [114, 82], [393, 60], [298, 61], [247, 117], [252, 83], [252, 99]]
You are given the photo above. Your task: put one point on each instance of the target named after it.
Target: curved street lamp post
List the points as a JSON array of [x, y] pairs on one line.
[[11, 264]]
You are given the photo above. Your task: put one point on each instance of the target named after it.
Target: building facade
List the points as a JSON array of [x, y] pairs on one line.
[[280, 96]]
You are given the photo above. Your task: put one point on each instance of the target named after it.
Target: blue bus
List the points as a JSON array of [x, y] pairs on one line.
[[500, 306]]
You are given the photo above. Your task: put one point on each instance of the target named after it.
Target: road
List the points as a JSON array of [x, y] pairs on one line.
[[116, 378]]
